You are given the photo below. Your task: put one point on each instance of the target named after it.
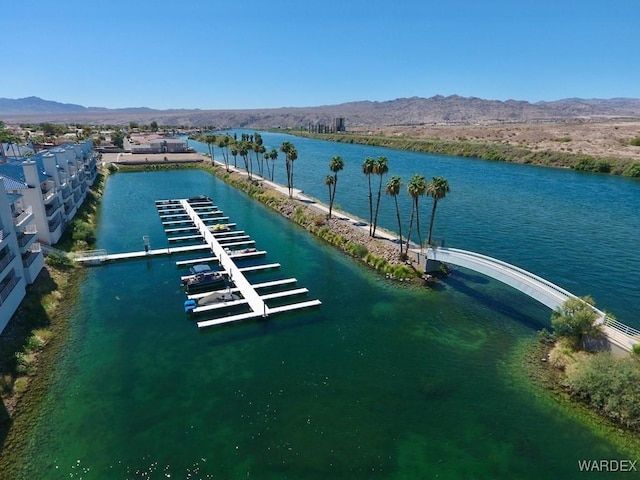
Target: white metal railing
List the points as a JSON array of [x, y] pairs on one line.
[[5, 290], [621, 327], [48, 195], [36, 247], [30, 229], [22, 216], [538, 283]]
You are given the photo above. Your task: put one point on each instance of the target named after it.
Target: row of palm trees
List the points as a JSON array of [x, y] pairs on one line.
[[417, 187], [244, 147]]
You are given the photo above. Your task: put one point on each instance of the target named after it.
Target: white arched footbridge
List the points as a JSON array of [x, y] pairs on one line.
[[536, 287]]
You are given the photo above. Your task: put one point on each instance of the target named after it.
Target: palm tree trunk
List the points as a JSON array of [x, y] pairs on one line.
[[395, 197], [433, 215], [418, 224], [375, 216], [413, 209], [370, 207]]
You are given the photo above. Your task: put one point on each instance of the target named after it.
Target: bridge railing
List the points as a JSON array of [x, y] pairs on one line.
[[603, 318], [621, 327]]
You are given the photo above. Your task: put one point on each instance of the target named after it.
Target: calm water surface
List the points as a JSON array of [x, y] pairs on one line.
[[382, 381]]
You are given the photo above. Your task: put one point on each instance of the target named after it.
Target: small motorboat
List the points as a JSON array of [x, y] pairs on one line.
[[202, 276]]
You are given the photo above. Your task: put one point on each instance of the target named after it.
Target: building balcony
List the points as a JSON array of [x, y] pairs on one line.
[[52, 209], [30, 256], [77, 197], [48, 189], [66, 191], [27, 236], [7, 286], [54, 224], [6, 259], [4, 236], [22, 217]]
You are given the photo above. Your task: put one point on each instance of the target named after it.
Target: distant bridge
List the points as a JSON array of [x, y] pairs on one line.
[[536, 287]]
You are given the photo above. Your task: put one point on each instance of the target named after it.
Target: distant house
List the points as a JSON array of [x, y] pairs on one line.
[[162, 145]]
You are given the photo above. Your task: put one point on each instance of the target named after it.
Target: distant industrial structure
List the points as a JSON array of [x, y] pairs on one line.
[[338, 125]]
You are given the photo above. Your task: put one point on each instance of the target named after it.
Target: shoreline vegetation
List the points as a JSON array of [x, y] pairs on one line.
[[487, 150], [37, 332], [33, 338]]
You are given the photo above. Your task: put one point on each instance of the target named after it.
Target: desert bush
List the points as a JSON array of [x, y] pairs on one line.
[[59, 260], [610, 385], [632, 170]]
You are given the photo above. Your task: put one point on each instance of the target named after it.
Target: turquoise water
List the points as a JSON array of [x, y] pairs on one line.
[[382, 381]]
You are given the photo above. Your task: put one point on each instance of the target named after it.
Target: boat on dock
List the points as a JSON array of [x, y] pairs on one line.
[[202, 276]]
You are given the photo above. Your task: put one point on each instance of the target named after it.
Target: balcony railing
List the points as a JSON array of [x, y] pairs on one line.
[[66, 191], [6, 260], [28, 258], [53, 224], [52, 208], [6, 288], [22, 216]]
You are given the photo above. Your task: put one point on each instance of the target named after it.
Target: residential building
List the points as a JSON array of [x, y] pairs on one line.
[[54, 184], [161, 145], [39, 195], [20, 255]]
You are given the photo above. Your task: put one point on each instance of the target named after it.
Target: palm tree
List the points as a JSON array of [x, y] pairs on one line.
[[273, 156], [367, 169], [223, 144], [335, 165], [210, 140], [234, 153], [329, 181], [438, 188], [393, 188], [243, 150], [416, 188], [291, 155], [380, 167]]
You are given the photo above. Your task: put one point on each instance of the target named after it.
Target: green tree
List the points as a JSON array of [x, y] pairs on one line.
[[367, 168], [329, 181], [380, 168], [273, 156], [243, 151], [416, 188], [117, 138], [335, 165], [223, 144], [393, 187], [291, 155], [154, 126], [210, 140], [234, 153], [437, 189], [575, 320]]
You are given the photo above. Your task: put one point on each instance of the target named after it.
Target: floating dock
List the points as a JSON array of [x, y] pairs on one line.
[[221, 244], [196, 220]]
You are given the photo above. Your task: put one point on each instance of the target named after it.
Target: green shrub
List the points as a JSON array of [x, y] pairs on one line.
[[632, 170], [83, 232], [356, 250], [610, 385], [60, 261], [635, 142]]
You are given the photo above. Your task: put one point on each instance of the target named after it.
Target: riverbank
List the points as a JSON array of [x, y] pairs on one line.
[[35, 334], [503, 145]]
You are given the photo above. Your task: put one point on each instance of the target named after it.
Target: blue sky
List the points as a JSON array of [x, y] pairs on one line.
[[237, 54]]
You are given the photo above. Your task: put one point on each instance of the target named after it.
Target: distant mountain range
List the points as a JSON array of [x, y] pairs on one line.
[[452, 109]]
